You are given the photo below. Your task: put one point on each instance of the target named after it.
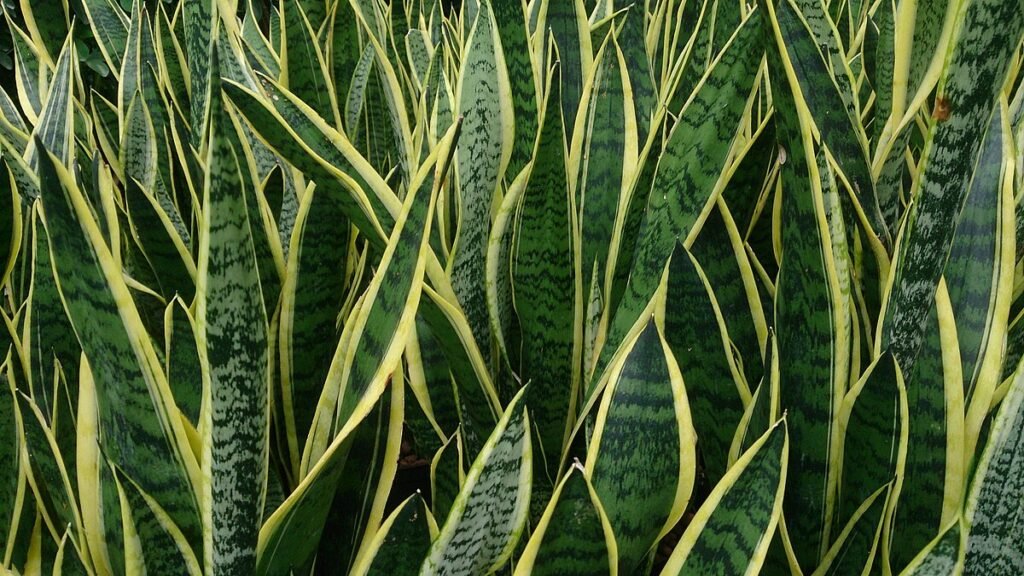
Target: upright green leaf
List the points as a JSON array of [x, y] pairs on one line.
[[807, 307], [232, 336], [9, 444], [573, 537], [566, 22], [484, 102], [55, 126], [941, 556], [511, 19], [544, 287], [402, 541], [731, 531], [642, 452], [490, 512], [972, 75], [686, 180], [695, 332], [199, 21], [140, 429], [303, 68], [875, 426], [312, 300], [993, 508], [354, 388], [110, 29], [49, 342], [856, 548], [977, 269]]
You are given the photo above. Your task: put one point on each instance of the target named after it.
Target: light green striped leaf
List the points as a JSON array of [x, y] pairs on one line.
[[972, 75], [642, 452], [110, 29], [55, 126], [638, 66], [731, 531], [199, 20], [418, 52], [822, 92], [294, 131], [291, 536], [489, 514], [573, 537], [51, 484], [231, 327], [993, 508], [31, 73], [357, 90], [484, 102]]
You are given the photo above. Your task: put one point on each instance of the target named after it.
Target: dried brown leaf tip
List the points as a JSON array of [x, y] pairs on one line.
[[942, 109]]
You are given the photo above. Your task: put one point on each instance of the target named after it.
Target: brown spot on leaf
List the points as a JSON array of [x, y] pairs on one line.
[[942, 110]]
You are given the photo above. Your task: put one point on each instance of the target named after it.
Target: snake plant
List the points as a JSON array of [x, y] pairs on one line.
[[566, 287]]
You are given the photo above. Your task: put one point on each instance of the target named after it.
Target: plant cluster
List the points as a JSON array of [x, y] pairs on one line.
[[550, 287]]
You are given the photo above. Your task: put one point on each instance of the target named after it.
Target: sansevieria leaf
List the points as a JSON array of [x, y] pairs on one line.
[[402, 541], [489, 514], [232, 339], [484, 101], [993, 509], [985, 38], [687, 175], [140, 429], [573, 537], [643, 412], [731, 531]]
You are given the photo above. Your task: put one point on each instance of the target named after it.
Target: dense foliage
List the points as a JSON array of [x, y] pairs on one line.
[[550, 287]]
